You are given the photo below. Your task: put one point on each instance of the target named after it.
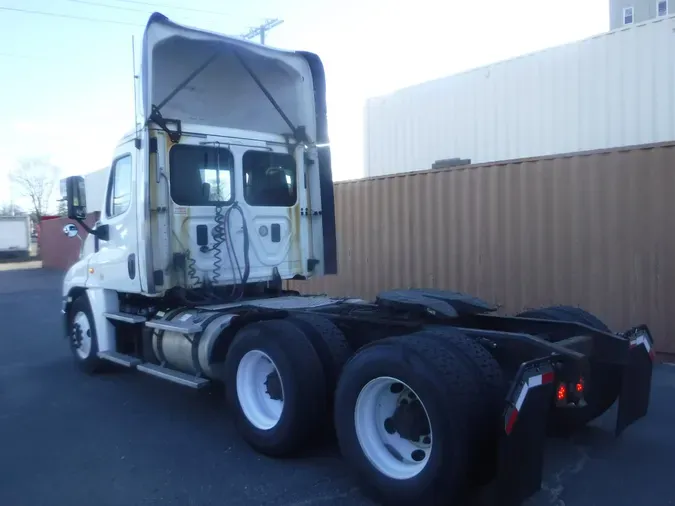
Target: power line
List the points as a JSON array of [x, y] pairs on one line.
[[165, 6], [131, 9], [68, 16], [107, 6], [49, 58], [253, 32]]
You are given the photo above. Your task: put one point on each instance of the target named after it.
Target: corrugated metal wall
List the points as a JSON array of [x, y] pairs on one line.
[[616, 89], [58, 251], [589, 229]]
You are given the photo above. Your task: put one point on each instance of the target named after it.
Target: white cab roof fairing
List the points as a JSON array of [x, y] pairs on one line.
[[224, 94]]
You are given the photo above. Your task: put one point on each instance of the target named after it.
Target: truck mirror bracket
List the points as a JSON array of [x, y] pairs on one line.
[[100, 232]]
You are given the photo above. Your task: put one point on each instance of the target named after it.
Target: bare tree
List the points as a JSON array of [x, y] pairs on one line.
[[62, 210], [10, 210], [35, 179]]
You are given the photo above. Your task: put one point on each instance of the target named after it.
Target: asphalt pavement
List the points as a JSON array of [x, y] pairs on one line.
[[127, 439]]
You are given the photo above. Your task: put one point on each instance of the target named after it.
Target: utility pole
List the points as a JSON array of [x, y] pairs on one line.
[[262, 29]]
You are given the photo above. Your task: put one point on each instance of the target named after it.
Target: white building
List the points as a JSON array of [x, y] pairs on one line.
[[628, 12], [614, 89]]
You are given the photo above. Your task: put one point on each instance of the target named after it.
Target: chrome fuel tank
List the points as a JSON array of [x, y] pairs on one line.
[[187, 348]]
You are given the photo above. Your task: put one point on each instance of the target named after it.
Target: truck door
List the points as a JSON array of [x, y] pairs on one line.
[[271, 206], [114, 265]]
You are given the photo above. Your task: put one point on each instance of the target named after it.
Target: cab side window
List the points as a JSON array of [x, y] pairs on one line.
[[201, 175], [119, 187]]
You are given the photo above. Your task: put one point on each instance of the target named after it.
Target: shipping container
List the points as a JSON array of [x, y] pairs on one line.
[[58, 251], [614, 89], [589, 229], [15, 238]]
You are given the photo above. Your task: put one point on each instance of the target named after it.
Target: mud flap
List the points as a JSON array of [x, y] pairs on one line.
[[636, 380], [521, 445]]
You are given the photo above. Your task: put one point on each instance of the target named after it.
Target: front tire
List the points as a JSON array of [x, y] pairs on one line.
[[406, 415], [275, 386], [82, 336]]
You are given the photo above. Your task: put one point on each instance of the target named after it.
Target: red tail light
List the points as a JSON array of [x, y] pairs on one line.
[[562, 392]]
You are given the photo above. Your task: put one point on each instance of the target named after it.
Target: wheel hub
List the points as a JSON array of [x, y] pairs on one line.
[[260, 390], [81, 337], [76, 335], [409, 419], [393, 428], [273, 387]]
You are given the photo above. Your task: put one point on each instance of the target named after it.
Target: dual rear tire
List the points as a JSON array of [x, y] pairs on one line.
[[415, 417], [279, 376], [413, 414]]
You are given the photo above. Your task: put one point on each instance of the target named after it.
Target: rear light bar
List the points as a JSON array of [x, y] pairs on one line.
[[570, 394]]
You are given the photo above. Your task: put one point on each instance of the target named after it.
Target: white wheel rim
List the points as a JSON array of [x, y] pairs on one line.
[[376, 404], [254, 369], [81, 321]]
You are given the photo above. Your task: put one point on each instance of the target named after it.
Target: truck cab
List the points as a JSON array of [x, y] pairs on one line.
[[227, 182]]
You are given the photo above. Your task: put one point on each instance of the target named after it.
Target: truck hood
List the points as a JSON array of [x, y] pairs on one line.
[[237, 87]]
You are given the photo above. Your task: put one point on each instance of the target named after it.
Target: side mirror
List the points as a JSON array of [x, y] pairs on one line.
[[70, 230], [76, 198]]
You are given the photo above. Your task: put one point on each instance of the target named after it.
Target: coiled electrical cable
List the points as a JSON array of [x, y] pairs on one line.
[[222, 234], [195, 280], [218, 231]]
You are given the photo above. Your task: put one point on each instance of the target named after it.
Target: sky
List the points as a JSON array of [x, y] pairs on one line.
[[66, 87]]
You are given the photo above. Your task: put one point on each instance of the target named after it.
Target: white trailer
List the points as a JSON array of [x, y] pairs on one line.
[[15, 237], [224, 193]]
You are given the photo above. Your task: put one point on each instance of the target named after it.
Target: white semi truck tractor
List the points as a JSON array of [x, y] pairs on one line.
[[222, 194]]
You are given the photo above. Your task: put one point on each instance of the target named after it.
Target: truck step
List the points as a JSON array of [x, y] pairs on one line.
[[119, 358], [134, 319], [175, 326], [174, 376]]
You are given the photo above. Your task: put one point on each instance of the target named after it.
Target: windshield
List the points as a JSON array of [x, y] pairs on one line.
[[201, 175]]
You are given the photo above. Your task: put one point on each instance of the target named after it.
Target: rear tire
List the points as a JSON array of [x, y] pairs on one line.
[[275, 387], [493, 391], [449, 393], [330, 345], [82, 336], [604, 382]]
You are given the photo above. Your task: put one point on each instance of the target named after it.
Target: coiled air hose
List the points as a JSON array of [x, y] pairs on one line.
[[222, 234]]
